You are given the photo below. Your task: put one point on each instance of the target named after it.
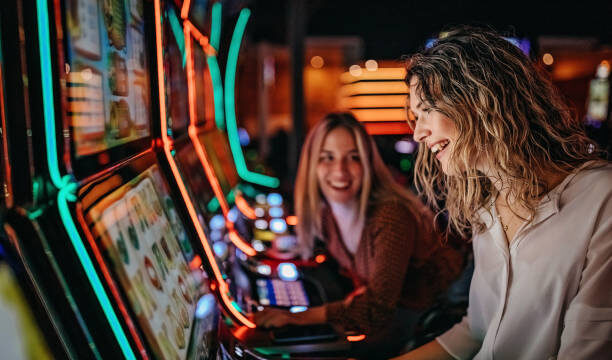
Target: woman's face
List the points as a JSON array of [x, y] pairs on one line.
[[432, 128], [339, 169]]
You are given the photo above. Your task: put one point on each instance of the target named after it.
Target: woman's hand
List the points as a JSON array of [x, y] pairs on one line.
[[270, 317]]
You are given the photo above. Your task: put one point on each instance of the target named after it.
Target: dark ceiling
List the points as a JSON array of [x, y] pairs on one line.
[[391, 29]]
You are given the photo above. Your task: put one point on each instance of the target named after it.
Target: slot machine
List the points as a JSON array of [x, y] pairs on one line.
[[128, 255]]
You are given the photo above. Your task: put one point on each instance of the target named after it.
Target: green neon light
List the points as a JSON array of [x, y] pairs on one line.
[[177, 31], [32, 215], [215, 26], [67, 187], [213, 205], [47, 89], [230, 111], [215, 75], [67, 194], [236, 306]]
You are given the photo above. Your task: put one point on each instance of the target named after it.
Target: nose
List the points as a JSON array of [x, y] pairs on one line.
[[421, 132], [341, 166]]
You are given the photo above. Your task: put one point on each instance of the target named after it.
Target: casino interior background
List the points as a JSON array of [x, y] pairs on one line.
[[149, 150]]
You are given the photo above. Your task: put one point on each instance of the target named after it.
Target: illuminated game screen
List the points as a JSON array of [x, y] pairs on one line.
[[198, 185], [177, 98], [148, 250], [218, 150], [107, 80]]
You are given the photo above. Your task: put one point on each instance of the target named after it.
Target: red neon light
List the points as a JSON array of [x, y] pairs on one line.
[[185, 9], [244, 207], [5, 158], [387, 127], [175, 172], [355, 338], [195, 263], [110, 282], [193, 135], [291, 220]]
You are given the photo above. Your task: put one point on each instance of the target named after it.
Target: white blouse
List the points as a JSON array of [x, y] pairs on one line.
[[549, 294]]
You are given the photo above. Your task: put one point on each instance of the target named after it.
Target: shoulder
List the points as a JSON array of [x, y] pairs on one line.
[[591, 183]]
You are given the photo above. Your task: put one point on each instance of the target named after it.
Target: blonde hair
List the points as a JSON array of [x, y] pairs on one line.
[[377, 184], [507, 113]]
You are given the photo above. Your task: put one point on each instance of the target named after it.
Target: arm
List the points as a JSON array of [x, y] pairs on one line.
[[587, 331], [272, 317], [393, 233], [430, 351]]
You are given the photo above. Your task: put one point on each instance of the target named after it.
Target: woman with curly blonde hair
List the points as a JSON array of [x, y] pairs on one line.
[[376, 230], [499, 147]]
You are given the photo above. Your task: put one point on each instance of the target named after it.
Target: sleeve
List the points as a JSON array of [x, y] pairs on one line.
[[394, 233], [587, 332], [458, 342]]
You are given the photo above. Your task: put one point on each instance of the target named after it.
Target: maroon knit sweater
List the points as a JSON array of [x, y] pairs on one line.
[[400, 260]]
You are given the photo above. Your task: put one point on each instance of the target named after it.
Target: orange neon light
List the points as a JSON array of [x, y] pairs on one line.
[[398, 114], [291, 220], [244, 207], [375, 87], [175, 172], [355, 338], [193, 135], [320, 259], [185, 9], [374, 101], [379, 74], [387, 128], [111, 283], [195, 263]]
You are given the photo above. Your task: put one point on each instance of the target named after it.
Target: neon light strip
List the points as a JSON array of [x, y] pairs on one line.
[[230, 111], [215, 75], [66, 187], [213, 66], [47, 89], [65, 195], [111, 283], [175, 26], [223, 288], [193, 134], [245, 208], [185, 9], [8, 193], [215, 26]]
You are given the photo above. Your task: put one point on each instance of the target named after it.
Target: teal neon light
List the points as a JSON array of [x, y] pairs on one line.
[[215, 26], [213, 205], [47, 89], [230, 111], [67, 194], [177, 31], [215, 75], [66, 186]]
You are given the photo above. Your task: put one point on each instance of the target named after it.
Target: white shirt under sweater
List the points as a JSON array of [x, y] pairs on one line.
[[549, 294]]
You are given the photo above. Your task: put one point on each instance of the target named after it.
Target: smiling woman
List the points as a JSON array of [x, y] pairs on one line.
[[380, 233]]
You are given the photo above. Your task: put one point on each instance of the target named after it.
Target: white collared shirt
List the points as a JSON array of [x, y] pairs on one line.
[[549, 294]]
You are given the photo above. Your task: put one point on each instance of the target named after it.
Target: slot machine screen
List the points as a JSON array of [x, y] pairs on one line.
[[107, 89], [147, 248], [217, 148], [198, 185], [177, 98]]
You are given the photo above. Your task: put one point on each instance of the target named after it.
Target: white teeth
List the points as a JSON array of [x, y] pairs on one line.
[[439, 146], [338, 184]]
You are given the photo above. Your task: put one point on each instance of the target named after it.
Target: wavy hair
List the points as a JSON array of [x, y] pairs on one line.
[[507, 113], [377, 184]]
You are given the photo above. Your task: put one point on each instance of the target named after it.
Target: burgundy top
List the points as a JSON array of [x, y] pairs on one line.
[[400, 260]]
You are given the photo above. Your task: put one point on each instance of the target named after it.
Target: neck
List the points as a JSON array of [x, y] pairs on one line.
[[348, 212]]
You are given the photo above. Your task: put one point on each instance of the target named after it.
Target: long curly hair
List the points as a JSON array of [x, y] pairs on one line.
[[507, 113]]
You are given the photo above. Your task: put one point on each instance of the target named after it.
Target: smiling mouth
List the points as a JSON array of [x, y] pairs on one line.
[[339, 185], [439, 146]]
